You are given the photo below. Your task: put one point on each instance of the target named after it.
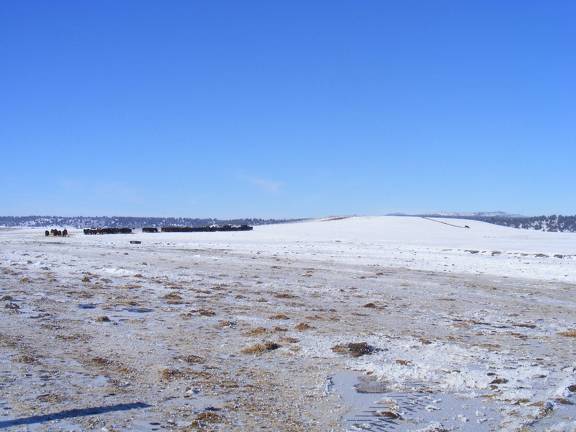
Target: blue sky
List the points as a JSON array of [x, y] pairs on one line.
[[287, 108]]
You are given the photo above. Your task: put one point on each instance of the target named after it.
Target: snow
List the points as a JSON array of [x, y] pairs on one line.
[[456, 308], [440, 245]]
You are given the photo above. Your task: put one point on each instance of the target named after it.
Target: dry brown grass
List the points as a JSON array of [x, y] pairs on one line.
[[130, 286], [109, 365], [303, 326], [204, 420], [258, 331], [315, 317], [206, 312], [525, 325], [173, 298], [354, 349], [285, 295], [27, 359], [568, 333], [209, 417], [191, 359], [76, 337], [279, 316], [261, 348], [226, 324], [169, 374], [100, 361], [50, 398]]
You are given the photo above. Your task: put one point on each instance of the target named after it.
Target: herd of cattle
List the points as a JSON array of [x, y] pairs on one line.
[[210, 228], [90, 231], [56, 233], [170, 229]]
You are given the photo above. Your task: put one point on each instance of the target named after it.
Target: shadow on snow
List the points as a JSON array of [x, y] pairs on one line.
[[77, 412]]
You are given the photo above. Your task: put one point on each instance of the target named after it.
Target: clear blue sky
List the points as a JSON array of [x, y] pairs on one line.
[[287, 108]]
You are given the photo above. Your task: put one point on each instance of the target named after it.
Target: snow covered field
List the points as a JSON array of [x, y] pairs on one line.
[[452, 328]]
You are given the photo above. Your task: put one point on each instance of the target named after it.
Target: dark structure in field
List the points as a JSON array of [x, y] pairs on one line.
[[91, 231], [210, 228], [149, 230]]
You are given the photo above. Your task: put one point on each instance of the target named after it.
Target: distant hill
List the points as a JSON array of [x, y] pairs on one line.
[[461, 215], [125, 221], [553, 223]]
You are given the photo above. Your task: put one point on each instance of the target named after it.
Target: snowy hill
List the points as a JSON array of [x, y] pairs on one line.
[[426, 232]]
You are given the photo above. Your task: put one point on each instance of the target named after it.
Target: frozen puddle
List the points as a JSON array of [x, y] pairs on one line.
[[372, 408]]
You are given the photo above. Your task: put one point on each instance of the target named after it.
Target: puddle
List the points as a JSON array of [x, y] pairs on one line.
[[87, 306], [373, 408]]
